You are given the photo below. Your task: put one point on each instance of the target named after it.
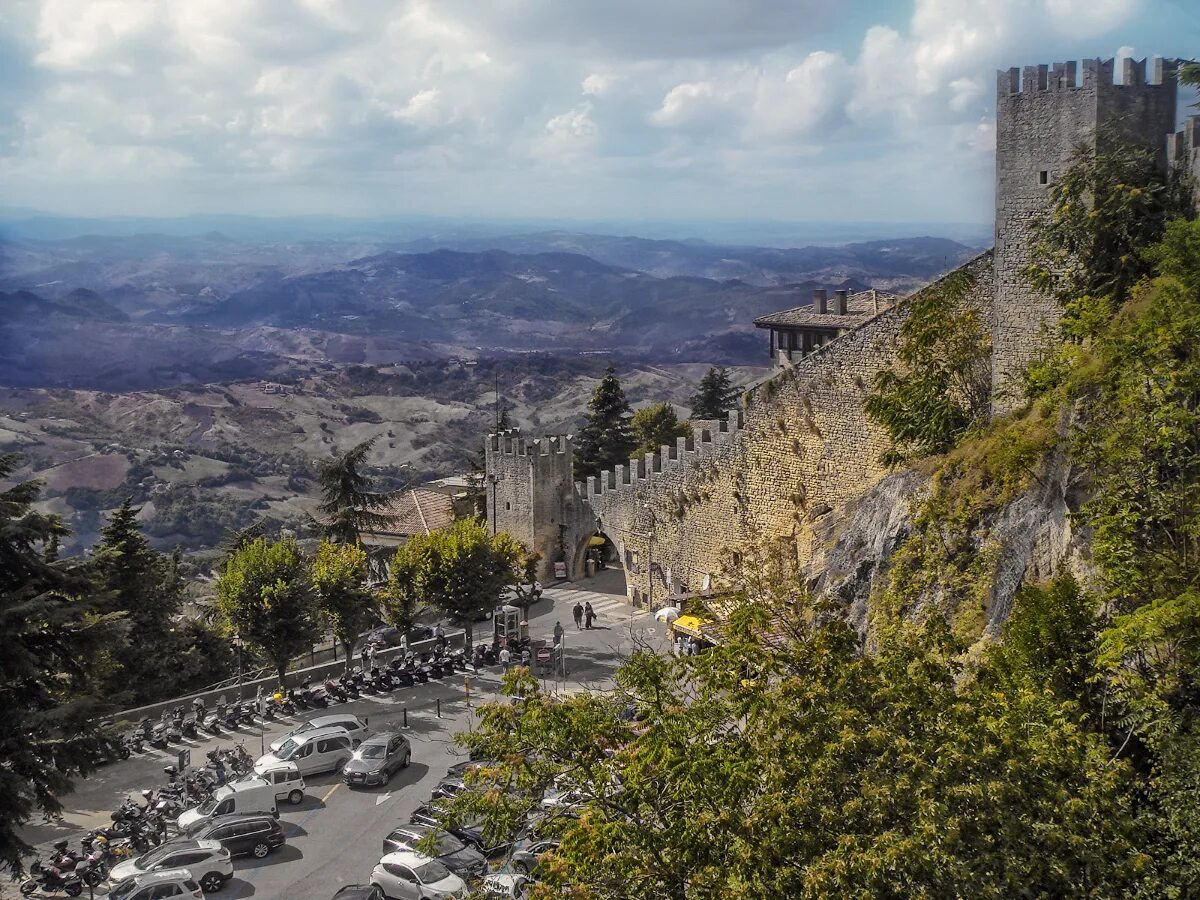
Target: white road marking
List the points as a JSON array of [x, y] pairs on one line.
[[383, 799]]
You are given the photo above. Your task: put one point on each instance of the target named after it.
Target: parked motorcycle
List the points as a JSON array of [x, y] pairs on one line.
[[49, 880]]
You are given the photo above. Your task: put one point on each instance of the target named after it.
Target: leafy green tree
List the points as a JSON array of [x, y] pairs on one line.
[[348, 505], [1104, 210], [264, 596], [55, 642], [942, 383], [339, 578], [461, 570], [605, 439], [714, 396], [806, 768], [655, 425]]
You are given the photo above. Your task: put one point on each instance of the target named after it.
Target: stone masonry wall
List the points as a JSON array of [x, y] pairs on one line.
[[801, 447], [1042, 115]]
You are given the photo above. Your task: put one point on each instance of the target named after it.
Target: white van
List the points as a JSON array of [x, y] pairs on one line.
[[247, 795], [316, 751], [355, 727], [289, 783]]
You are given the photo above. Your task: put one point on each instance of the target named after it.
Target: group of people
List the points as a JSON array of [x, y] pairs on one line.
[[686, 646], [584, 614]]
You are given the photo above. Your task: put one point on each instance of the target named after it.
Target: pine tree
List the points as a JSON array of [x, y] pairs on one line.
[[348, 503], [54, 641], [715, 395], [164, 656], [605, 439]]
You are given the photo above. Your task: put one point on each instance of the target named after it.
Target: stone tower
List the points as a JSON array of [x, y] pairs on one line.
[[531, 494], [1041, 117]]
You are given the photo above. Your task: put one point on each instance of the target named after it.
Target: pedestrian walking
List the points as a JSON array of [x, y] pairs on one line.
[[577, 611], [589, 614], [505, 658], [438, 633], [558, 633]]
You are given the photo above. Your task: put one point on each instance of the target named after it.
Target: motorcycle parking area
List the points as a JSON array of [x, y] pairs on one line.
[[335, 835]]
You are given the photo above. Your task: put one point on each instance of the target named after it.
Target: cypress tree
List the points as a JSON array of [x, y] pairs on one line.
[[606, 438], [715, 396]]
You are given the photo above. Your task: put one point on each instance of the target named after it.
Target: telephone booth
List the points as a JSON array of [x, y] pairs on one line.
[[510, 628]]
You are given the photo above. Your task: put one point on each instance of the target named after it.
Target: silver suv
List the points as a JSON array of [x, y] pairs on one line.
[[377, 759], [170, 883]]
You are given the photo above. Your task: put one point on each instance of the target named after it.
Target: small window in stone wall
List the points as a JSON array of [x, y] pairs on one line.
[[507, 505], [1043, 177]]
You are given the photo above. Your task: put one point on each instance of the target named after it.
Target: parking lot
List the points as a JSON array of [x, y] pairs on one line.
[[335, 836]]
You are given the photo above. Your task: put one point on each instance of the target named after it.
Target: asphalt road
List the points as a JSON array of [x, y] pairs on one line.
[[335, 836]]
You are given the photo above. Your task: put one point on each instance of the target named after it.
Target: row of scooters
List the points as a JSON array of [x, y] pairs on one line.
[[136, 827], [405, 671]]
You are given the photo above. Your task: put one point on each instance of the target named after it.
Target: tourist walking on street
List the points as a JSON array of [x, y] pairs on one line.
[[589, 614], [558, 633], [578, 613], [505, 657]]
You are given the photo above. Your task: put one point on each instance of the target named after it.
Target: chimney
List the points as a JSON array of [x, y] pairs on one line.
[[820, 302], [839, 302]]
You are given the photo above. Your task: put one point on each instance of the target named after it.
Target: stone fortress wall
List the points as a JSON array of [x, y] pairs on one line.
[[802, 445], [1042, 115]]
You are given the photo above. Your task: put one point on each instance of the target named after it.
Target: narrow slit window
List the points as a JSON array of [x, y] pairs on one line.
[[1043, 177]]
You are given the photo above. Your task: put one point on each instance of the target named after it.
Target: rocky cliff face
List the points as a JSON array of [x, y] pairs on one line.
[[1031, 538]]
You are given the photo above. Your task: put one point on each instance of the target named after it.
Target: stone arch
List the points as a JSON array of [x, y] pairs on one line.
[[609, 551]]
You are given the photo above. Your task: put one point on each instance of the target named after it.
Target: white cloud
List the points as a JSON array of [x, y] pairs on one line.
[[188, 102]]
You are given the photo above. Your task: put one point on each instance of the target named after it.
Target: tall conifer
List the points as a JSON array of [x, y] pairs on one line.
[[606, 438]]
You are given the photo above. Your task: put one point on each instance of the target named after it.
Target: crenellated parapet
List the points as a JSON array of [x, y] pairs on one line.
[[707, 437], [1044, 114]]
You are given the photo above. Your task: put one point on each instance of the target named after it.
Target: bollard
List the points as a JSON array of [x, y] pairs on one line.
[[439, 707], [406, 717]]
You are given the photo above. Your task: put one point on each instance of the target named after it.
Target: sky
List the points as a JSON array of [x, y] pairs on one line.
[[665, 110]]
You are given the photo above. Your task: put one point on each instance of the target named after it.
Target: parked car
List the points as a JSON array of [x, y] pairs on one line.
[[459, 770], [286, 779], [527, 852], [359, 892], [434, 813], [448, 787], [316, 751], [463, 859], [246, 795], [377, 759], [355, 727], [510, 885], [256, 834], [405, 875], [389, 636], [207, 860], [166, 884]]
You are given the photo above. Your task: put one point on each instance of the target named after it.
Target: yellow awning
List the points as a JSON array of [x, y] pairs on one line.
[[597, 541], [690, 625]]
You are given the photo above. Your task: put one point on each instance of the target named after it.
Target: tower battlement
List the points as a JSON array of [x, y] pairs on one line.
[[1097, 73], [1043, 114]]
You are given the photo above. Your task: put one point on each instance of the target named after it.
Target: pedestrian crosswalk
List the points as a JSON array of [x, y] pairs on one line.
[[609, 608]]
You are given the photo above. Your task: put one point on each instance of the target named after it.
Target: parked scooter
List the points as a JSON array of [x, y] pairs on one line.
[[49, 880]]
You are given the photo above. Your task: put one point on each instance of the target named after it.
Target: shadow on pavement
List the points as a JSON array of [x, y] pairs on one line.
[[310, 801], [291, 830], [236, 888], [285, 854], [403, 778]]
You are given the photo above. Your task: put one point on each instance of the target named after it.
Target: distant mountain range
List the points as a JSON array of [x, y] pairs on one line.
[[127, 312]]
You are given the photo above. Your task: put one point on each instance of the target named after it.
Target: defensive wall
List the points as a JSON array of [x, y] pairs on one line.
[[801, 444]]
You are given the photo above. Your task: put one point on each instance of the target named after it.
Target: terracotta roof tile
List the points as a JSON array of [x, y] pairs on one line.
[[858, 307]]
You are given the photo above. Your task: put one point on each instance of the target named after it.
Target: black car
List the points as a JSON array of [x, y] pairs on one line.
[[377, 759], [389, 636], [256, 834], [449, 787], [461, 858], [433, 813], [359, 892], [459, 770]]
